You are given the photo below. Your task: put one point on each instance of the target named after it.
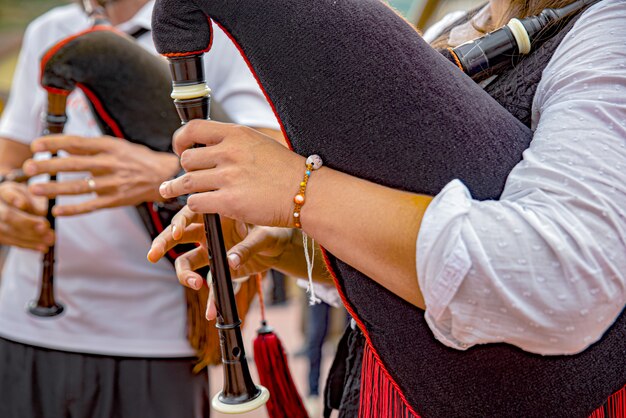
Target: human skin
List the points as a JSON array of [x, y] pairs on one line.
[[244, 175]]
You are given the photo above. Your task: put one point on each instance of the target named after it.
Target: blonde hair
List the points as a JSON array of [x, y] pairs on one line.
[[522, 9], [517, 8]]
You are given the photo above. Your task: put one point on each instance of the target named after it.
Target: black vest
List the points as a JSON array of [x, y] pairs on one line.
[[495, 380]]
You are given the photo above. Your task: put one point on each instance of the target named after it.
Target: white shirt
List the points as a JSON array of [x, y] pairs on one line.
[[543, 268], [115, 301]]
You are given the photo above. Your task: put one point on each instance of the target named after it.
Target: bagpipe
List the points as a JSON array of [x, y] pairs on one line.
[[351, 81], [127, 89]]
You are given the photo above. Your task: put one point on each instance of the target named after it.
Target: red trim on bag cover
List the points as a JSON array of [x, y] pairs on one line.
[[256, 77], [55, 48], [99, 108], [187, 54]]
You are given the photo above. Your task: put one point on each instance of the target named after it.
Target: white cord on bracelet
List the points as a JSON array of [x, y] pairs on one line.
[[310, 260]]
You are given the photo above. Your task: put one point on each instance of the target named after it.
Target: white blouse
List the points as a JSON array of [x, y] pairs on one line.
[[544, 268]]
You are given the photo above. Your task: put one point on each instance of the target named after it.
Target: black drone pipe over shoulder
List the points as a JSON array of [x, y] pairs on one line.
[[353, 82]]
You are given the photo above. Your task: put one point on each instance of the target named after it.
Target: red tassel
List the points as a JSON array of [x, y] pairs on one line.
[[380, 396], [615, 406], [274, 374]]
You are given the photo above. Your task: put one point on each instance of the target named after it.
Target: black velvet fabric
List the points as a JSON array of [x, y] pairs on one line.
[[354, 83], [132, 85]]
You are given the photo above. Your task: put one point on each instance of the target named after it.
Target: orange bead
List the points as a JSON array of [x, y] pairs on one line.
[[298, 199]]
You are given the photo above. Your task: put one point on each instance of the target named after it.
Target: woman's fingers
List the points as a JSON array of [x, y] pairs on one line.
[[202, 158], [94, 164], [186, 265], [19, 225], [165, 241], [181, 220], [102, 202], [194, 182], [73, 144], [24, 243], [100, 185], [184, 228], [258, 240], [211, 309], [18, 196], [200, 132], [23, 221]]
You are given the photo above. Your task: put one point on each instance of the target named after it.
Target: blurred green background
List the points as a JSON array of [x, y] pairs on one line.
[[14, 16]]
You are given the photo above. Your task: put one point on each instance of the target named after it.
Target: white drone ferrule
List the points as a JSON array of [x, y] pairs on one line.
[[193, 91], [521, 35]]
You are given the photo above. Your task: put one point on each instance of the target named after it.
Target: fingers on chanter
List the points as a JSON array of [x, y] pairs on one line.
[[176, 234], [22, 220], [67, 164], [186, 265], [161, 245], [102, 202], [255, 241], [17, 197], [211, 308], [35, 245], [72, 144], [193, 182], [200, 132], [202, 158], [184, 218]]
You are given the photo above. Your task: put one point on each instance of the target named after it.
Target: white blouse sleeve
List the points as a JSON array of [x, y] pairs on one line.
[[544, 268]]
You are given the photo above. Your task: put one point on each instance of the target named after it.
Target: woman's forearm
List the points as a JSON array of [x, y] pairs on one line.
[[371, 227], [293, 263]]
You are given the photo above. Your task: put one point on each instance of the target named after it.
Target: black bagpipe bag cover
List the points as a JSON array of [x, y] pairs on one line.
[[127, 87], [352, 81]]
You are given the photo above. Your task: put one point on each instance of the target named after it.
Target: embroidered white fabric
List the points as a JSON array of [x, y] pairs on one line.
[[544, 268]]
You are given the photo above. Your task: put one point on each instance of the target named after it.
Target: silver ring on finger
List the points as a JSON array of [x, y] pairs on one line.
[[91, 184]]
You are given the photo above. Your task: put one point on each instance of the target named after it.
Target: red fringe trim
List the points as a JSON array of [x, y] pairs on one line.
[[380, 397], [615, 406]]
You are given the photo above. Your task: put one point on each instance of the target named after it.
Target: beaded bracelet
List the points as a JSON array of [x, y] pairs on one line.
[[314, 162]]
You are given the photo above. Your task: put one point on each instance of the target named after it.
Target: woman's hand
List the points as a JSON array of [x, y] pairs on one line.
[[240, 174], [22, 221], [123, 173], [253, 249]]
